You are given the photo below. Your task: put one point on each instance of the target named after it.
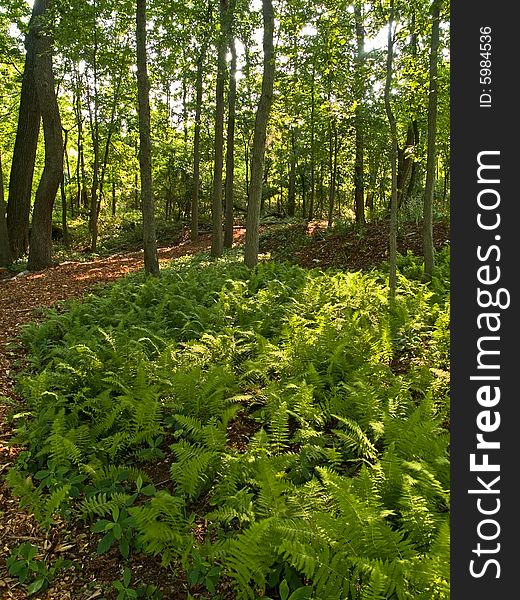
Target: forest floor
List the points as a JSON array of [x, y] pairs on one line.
[[21, 300]]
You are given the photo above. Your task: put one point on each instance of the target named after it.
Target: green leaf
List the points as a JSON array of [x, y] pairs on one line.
[[124, 547], [148, 490], [127, 576], [303, 593], [117, 531], [284, 590], [105, 543], [193, 577], [35, 586], [99, 526]]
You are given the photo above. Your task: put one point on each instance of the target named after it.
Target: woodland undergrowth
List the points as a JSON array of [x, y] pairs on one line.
[[341, 487]]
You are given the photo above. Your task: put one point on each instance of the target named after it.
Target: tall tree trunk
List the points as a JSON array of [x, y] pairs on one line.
[[393, 156], [94, 128], [262, 116], [151, 262], [64, 224], [313, 146], [291, 194], [333, 168], [111, 127], [26, 142], [40, 249], [429, 257], [196, 145], [359, 89], [230, 150], [5, 250], [216, 206]]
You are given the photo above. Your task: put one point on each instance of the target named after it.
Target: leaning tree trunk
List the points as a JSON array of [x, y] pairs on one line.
[[230, 150], [5, 250], [151, 261], [393, 157], [262, 116], [429, 257], [24, 155], [40, 248]]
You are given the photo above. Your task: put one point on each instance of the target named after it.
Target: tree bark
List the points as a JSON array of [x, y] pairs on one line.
[[26, 142], [291, 193], [216, 206], [64, 224], [196, 146], [230, 150], [313, 146], [262, 117], [393, 157], [429, 257], [5, 250], [151, 261], [94, 128], [40, 248], [359, 186]]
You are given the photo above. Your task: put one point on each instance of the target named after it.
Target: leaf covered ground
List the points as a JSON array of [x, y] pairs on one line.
[[249, 429]]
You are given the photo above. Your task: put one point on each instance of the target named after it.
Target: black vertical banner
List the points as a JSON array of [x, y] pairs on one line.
[[485, 397]]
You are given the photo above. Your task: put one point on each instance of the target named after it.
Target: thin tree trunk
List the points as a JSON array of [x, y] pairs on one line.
[[151, 261], [40, 249], [333, 164], [26, 142], [291, 195], [216, 206], [313, 146], [393, 157], [113, 181], [64, 225], [429, 257], [230, 150], [196, 146], [111, 128], [262, 117], [359, 187], [94, 127]]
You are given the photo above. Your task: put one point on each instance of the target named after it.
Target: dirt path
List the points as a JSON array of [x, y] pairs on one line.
[[21, 296]]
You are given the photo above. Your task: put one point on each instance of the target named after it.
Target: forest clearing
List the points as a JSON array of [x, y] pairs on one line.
[[224, 300]]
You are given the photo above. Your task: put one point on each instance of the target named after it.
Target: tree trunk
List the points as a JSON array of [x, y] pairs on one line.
[[262, 117], [230, 150], [333, 166], [40, 249], [64, 224], [26, 142], [429, 257], [393, 157], [216, 207], [313, 147], [196, 146], [113, 181], [291, 194], [5, 250], [94, 128], [151, 262], [359, 187]]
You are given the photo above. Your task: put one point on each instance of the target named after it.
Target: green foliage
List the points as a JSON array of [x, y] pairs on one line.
[[300, 421], [126, 592], [35, 574]]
